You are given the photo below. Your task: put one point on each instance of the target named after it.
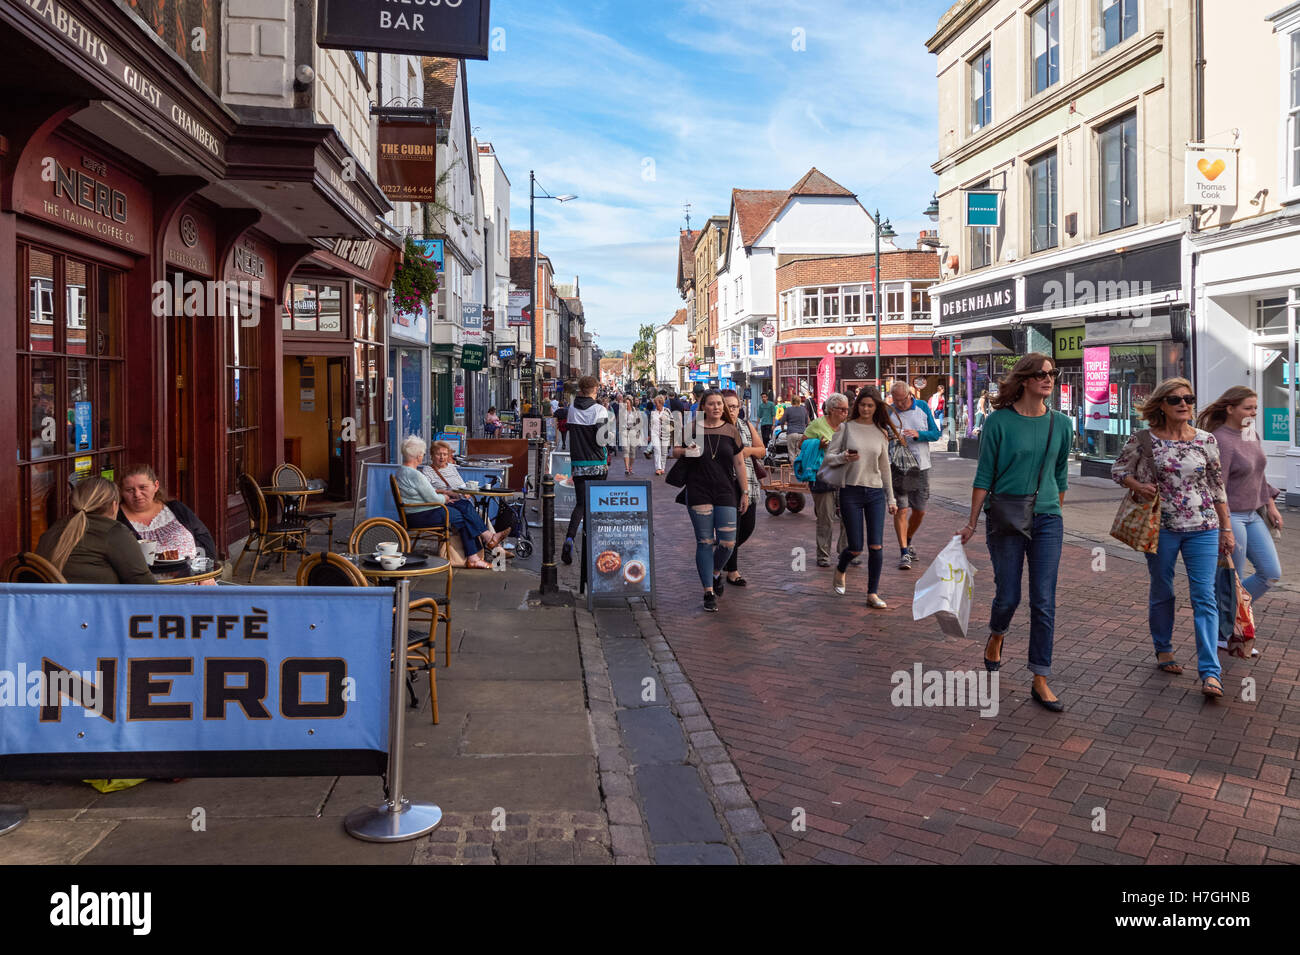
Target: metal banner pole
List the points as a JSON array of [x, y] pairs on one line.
[[11, 817], [397, 820]]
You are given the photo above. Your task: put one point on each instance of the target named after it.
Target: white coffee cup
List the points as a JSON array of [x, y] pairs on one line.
[[392, 561], [389, 548], [471, 485], [150, 551]]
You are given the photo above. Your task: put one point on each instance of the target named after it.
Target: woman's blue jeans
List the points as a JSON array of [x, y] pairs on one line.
[[1200, 550], [1255, 542], [464, 519], [863, 506], [715, 536], [1008, 553]]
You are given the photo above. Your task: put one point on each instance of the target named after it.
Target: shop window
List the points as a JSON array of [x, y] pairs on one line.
[[1270, 316], [920, 302], [830, 305], [243, 383], [1045, 53], [1042, 202], [981, 89], [314, 307], [1117, 144], [811, 306], [853, 304], [1118, 22], [895, 297], [70, 382], [983, 250]]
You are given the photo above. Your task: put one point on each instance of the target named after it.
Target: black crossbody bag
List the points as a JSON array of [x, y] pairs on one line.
[[1014, 513]]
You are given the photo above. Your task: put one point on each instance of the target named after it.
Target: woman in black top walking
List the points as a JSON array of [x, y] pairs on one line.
[[714, 491]]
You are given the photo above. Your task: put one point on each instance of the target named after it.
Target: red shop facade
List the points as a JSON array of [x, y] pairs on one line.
[[920, 361], [147, 240]]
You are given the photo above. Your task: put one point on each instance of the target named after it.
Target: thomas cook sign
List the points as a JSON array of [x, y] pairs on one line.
[[419, 27]]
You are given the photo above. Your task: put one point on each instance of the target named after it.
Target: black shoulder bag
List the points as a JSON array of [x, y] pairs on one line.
[[1014, 513]]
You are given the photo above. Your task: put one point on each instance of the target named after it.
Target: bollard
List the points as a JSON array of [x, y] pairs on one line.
[[540, 444], [550, 579]]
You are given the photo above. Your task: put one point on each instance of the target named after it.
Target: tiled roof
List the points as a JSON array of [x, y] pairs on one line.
[[440, 85], [686, 252], [519, 242], [817, 183], [755, 208], [679, 318]]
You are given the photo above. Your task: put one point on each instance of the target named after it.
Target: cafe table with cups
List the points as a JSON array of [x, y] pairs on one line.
[[388, 562], [170, 568]]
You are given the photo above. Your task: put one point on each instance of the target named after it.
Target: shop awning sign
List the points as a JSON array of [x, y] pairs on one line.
[[428, 28], [1210, 176]]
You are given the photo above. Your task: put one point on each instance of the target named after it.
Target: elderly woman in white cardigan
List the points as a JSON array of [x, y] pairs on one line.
[[420, 499], [445, 478]]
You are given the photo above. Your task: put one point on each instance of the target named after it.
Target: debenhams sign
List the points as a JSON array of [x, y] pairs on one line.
[[419, 27], [987, 301]]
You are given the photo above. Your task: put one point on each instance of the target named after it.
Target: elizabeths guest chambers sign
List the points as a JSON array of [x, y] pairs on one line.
[[419, 27]]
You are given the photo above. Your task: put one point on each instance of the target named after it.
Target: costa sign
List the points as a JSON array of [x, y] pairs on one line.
[[419, 27]]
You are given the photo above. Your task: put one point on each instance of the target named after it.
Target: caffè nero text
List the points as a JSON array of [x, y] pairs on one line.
[[89, 193]]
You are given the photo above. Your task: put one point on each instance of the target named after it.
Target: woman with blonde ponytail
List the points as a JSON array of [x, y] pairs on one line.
[[90, 546]]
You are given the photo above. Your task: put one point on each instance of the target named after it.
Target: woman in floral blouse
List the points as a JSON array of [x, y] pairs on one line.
[[1194, 520]]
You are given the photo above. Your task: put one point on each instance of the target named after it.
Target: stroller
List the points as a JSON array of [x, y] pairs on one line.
[[778, 453], [519, 534]]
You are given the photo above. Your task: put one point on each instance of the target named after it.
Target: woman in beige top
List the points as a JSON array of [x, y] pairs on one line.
[[862, 444]]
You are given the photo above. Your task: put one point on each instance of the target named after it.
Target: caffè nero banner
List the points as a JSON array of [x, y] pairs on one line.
[[419, 27]]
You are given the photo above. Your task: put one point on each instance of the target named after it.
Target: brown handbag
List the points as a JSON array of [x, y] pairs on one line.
[[1137, 522]]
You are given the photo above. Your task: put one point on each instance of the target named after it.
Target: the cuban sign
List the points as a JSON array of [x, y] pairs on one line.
[[407, 162], [195, 681], [1210, 177], [983, 209], [419, 27]]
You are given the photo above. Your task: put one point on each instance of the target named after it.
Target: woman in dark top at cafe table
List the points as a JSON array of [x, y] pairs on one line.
[[714, 491], [146, 511], [89, 546]]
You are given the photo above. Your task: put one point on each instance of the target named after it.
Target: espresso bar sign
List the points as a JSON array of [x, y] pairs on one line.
[[408, 167], [419, 27]]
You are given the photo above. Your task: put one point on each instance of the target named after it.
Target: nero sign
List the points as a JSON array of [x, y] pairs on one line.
[[619, 548], [419, 27], [230, 681]]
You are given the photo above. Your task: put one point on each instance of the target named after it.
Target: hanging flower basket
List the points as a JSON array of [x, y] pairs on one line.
[[415, 281]]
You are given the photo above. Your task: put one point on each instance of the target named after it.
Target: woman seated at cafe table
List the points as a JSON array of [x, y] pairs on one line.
[[445, 479], [89, 546], [151, 517], [420, 500]]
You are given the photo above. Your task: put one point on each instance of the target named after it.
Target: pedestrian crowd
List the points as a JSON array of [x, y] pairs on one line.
[[1197, 484]]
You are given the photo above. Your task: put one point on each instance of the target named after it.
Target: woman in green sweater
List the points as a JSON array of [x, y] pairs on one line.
[[1025, 449]]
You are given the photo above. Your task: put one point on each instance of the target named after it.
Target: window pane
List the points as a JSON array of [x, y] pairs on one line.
[[108, 412], [76, 306], [375, 366], [1270, 315], [41, 307], [1130, 170], [303, 298], [358, 314], [44, 420], [43, 495], [78, 390], [331, 308], [1042, 177], [373, 329], [108, 314], [1295, 69]]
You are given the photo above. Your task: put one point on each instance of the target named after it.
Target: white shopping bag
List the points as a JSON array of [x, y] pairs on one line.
[[946, 590]]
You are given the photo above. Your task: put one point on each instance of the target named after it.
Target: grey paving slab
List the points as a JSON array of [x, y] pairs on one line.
[[523, 621], [677, 808], [478, 639], [480, 784], [504, 696], [617, 623], [706, 853], [231, 798], [284, 841], [52, 841], [561, 665], [652, 734], [629, 665], [510, 734], [62, 795]]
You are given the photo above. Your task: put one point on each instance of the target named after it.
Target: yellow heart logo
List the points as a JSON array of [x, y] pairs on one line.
[[1211, 170]]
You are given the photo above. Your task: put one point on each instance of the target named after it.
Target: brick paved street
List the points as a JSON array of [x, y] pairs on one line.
[[797, 683]]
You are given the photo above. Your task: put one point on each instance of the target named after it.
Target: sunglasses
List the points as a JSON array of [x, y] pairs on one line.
[[1044, 375], [1180, 399]]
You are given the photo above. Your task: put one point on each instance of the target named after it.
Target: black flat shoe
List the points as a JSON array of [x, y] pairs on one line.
[[1056, 706], [994, 665], [710, 603]]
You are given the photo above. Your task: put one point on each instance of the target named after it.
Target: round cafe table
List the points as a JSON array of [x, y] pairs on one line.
[[185, 575], [291, 498], [432, 565]]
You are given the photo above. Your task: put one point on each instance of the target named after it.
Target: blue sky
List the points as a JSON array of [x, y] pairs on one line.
[[639, 106]]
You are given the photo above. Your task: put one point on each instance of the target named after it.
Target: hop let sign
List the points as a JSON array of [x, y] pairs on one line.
[[1211, 177]]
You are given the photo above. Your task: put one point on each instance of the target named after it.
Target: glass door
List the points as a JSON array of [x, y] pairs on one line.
[[1275, 376]]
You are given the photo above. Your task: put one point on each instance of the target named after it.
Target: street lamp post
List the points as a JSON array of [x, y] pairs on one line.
[[932, 213], [887, 231]]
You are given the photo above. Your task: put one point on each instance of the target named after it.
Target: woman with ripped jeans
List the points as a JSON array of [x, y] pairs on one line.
[[713, 491]]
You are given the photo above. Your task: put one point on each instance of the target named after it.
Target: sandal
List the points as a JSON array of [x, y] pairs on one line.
[[1169, 666], [1212, 687]]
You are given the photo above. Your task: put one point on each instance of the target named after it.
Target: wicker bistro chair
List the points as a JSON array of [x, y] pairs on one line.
[[331, 570], [441, 534], [367, 535], [29, 568], [278, 538], [290, 478]]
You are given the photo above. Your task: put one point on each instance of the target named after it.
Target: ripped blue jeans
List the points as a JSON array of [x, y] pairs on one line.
[[715, 538]]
